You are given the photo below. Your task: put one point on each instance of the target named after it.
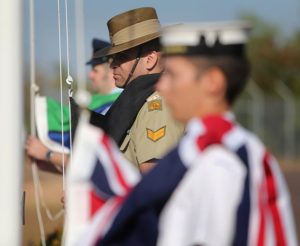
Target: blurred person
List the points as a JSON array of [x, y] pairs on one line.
[[241, 197], [139, 121], [103, 83], [219, 185], [106, 93]]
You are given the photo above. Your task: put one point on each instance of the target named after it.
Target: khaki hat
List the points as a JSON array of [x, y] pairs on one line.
[[130, 29]]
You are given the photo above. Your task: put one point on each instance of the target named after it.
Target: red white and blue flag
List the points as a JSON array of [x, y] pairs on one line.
[[98, 180], [263, 215]]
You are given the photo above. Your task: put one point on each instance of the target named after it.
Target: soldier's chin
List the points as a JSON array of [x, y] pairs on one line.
[[119, 83]]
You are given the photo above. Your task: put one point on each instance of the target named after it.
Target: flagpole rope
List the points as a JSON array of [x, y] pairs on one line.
[[38, 191], [69, 81], [61, 93], [39, 194], [33, 91]]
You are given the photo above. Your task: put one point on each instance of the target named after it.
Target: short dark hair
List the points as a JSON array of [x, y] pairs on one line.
[[153, 45], [235, 69]]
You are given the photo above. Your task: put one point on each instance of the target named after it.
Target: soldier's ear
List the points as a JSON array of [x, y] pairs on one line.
[[151, 60]]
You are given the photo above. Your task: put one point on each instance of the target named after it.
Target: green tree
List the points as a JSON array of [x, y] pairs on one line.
[[272, 56]]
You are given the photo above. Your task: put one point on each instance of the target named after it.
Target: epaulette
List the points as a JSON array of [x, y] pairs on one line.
[[154, 102], [154, 96]]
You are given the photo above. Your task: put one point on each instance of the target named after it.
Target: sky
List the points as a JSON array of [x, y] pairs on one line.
[[283, 13]]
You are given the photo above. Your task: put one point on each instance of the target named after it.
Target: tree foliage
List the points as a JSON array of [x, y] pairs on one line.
[[273, 57]]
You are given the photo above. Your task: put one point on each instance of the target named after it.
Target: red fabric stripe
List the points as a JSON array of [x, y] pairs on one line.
[[109, 217], [106, 143], [272, 199], [216, 126], [96, 203], [262, 212]]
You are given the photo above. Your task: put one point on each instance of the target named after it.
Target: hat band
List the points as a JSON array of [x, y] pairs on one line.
[[135, 31], [237, 50]]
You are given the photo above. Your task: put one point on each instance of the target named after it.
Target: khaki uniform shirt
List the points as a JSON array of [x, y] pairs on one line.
[[153, 133]]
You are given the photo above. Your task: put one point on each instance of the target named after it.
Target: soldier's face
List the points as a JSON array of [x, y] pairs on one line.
[[122, 64], [182, 88]]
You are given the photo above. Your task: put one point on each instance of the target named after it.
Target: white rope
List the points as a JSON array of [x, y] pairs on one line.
[[39, 195], [67, 37], [37, 182], [33, 90], [71, 139], [38, 191], [69, 80], [43, 203], [37, 202], [61, 93]]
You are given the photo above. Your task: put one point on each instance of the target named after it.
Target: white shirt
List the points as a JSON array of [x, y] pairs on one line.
[[202, 209]]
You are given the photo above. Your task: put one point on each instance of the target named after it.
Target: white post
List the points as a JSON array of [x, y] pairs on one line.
[[11, 123]]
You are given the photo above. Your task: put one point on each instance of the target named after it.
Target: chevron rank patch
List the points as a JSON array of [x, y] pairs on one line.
[[156, 135], [154, 105]]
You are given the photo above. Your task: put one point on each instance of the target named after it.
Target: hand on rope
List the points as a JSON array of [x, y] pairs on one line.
[[46, 159]]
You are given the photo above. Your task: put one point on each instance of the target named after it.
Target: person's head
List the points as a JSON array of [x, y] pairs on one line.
[[141, 60], [100, 73], [135, 48], [205, 68]]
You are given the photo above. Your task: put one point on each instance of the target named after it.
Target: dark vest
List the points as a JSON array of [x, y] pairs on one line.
[[122, 114]]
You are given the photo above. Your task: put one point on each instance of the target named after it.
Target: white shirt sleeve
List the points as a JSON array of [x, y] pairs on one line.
[[202, 210]]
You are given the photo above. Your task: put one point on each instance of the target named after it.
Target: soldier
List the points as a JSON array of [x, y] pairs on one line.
[[139, 121]]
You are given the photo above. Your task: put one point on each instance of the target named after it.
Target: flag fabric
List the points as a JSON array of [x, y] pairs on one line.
[[49, 125], [48, 119], [263, 214], [100, 103], [98, 180]]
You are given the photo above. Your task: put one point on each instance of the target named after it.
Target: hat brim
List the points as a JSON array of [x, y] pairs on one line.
[[95, 61], [111, 50]]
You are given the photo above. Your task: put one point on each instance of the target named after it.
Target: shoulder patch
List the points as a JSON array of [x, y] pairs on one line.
[[156, 135], [154, 105]]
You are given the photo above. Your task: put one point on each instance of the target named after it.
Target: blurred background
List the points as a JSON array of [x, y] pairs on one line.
[[269, 106]]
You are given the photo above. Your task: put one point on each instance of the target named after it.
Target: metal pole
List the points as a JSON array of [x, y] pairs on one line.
[[11, 103]]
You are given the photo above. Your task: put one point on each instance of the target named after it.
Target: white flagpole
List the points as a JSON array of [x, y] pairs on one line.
[[11, 123]]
